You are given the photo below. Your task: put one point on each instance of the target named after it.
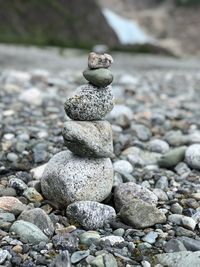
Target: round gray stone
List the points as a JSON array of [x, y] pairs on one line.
[[89, 103], [192, 156], [90, 215], [87, 138], [68, 178], [98, 77]]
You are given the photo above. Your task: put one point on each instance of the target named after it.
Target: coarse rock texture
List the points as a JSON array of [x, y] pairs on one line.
[[98, 77], [96, 61], [69, 178], [39, 218], [89, 103], [7, 203], [179, 259], [124, 193], [140, 214], [90, 215], [89, 139], [28, 232]]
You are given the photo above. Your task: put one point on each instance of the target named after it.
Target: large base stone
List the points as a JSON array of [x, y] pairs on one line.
[[69, 178]]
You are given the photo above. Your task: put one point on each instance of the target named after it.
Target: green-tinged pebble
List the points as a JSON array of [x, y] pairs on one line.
[[98, 77]]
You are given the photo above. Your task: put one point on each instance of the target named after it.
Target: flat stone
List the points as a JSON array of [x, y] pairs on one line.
[[104, 260], [140, 214], [28, 232], [39, 218], [98, 77], [174, 245], [124, 193], [191, 244], [79, 255], [91, 139], [185, 221], [96, 61], [90, 215], [89, 237], [89, 103], [69, 178], [172, 157], [192, 156], [150, 237], [179, 259]]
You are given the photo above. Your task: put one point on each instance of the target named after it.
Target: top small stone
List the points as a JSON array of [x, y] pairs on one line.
[[97, 61]]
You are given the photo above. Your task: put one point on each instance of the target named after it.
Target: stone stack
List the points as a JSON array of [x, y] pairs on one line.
[[85, 172]]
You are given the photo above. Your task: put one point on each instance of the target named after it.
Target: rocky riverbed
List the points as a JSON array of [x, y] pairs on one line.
[[156, 190]]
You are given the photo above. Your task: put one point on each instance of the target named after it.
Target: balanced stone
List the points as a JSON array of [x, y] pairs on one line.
[[89, 103], [69, 178], [98, 77], [91, 139], [96, 61], [90, 214]]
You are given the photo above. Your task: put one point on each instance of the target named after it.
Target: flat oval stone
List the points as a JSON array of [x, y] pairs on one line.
[[89, 103], [69, 178], [89, 138], [28, 232], [98, 77]]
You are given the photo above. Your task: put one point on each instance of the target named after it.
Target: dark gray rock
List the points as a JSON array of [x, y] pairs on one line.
[[191, 244], [96, 61], [39, 218], [89, 214], [174, 245], [140, 214], [172, 157], [66, 241], [89, 103], [68, 178], [91, 139], [98, 77], [124, 193]]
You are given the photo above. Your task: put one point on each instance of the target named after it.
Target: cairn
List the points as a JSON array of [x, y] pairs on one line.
[[84, 171]]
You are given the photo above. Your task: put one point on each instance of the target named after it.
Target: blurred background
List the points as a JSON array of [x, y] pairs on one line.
[[158, 26]]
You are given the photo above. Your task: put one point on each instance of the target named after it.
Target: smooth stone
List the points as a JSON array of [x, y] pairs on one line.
[[39, 218], [192, 156], [122, 166], [89, 237], [28, 232], [174, 245], [62, 260], [150, 237], [140, 214], [141, 131], [69, 178], [90, 214], [162, 196], [96, 61], [119, 232], [176, 208], [126, 192], [32, 195], [98, 77], [105, 260], [179, 259], [113, 239], [7, 203], [191, 244], [32, 96], [172, 157], [185, 221], [38, 171], [12, 157], [158, 146], [89, 103], [79, 255], [91, 139], [7, 217]]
